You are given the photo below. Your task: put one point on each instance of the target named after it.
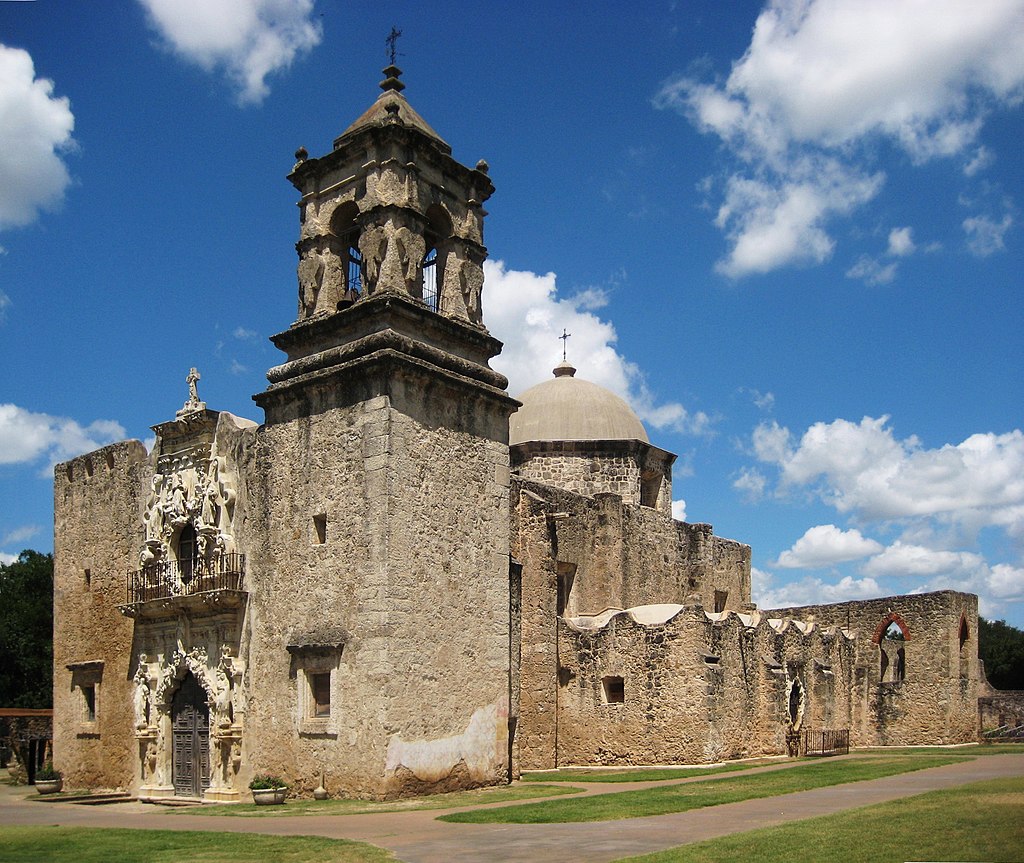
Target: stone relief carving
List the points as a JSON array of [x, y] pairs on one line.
[[189, 490]]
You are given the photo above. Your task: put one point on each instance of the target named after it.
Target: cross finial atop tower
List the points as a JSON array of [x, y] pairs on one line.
[[564, 337], [392, 42]]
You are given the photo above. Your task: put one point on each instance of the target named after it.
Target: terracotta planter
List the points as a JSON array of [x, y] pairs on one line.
[[268, 796], [49, 786]]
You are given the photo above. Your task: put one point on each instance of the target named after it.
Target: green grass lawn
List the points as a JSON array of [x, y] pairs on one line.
[[695, 795], [305, 806], [89, 845], [982, 821], [640, 774]]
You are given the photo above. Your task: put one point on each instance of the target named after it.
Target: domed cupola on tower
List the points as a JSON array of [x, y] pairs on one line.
[[579, 436]]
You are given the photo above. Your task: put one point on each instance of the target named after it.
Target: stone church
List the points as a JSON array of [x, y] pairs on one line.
[[404, 580]]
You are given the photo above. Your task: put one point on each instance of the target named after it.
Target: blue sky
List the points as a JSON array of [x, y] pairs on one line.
[[789, 234]]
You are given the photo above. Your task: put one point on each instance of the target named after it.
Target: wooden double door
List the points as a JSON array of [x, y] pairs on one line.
[[190, 719]]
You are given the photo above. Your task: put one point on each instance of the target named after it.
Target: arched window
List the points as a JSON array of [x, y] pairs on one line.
[[345, 228], [437, 235], [965, 631], [431, 293], [890, 636]]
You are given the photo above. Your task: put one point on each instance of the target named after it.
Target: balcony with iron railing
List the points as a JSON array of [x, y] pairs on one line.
[[162, 588]]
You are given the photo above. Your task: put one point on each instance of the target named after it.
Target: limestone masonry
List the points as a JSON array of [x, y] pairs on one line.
[[386, 585]]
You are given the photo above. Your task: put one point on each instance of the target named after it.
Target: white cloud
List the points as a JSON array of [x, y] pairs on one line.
[[751, 483], [982, 158], [249, 39], [524, 310], [35, 129], [26, 436], [905, 559], [826, 545], [942, 569], [985, 236], [819, 82], [5, 302], [775, 221], [878, 271], [872, 271], [7, 559], [901, 242], [863, 468], [679, 510], [809, 591], [245, 335], [20, 534]]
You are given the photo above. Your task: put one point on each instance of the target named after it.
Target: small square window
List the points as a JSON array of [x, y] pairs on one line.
[[320, 529], [614, 690], [320, 690]]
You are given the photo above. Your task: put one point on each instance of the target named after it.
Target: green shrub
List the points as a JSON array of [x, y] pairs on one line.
[[264, 781], [46, 773]]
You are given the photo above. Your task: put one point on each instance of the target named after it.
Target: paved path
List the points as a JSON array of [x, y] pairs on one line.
[[417, 837]]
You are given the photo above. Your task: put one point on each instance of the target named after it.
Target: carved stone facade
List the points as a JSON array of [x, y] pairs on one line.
[[371, 587]]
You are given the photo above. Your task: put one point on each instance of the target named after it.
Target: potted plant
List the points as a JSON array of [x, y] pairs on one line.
[[267, 790], [48, 780]]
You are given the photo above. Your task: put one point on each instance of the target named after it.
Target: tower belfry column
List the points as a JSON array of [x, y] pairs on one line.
[[387, 435]]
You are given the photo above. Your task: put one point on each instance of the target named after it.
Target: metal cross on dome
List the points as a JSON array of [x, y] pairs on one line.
[[564, 338]]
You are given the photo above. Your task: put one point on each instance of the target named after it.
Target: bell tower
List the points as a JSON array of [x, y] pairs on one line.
[[389, 211], [383, 535]]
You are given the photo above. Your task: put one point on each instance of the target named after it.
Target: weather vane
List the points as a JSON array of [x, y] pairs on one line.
[[392, 41], [564, 337]]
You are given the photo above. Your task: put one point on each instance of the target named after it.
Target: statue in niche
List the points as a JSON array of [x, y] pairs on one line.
[[311, 276], [332, 284], [141, 697], [471, 283], [176, 506], [149, 760], [372, 247]]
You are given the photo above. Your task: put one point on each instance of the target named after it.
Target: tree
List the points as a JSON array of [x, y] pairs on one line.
[[1001, 648], [26, 631]]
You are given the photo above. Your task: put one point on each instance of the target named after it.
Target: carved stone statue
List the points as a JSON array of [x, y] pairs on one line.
[[141, 698]]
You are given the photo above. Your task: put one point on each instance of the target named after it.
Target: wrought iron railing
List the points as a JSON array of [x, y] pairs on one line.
[[1004, 734], [167, 578], [827, 742]]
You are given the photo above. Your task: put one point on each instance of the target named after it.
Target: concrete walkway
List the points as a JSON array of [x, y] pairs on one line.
[[417, 837]]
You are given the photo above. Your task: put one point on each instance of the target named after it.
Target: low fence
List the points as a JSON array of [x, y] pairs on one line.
[[827, 742]]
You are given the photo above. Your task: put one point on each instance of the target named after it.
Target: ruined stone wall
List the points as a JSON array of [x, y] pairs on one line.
[[410, 584], [693, 688], [98, 502], [581, 555], [1001, 710], [936, 700]]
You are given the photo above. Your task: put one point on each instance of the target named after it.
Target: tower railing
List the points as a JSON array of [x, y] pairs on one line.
[[168, 578]]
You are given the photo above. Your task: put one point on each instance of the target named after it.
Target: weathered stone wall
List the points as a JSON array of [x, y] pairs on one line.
[[411, 581], [936, 702], [695, 687], [600, 467], [581, 555], [98, 502], [1000, 710]]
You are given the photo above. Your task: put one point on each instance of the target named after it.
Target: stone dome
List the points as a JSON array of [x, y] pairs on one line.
[[567, 408]]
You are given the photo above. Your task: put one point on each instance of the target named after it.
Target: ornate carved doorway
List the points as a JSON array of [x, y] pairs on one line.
[[190, 718]]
